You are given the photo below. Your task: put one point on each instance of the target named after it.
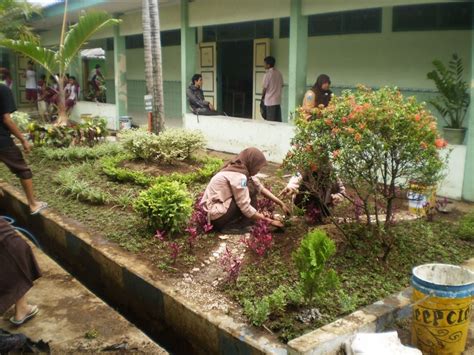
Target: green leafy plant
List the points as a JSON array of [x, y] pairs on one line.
[[310, 259], [79, 153], [167, 147], [72, 185], [167, 206], [466, 227], [376, 142], [88, 133], [454, 100], [257, 312], [21, 119]]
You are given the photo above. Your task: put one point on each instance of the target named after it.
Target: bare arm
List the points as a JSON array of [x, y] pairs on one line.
[[7, 120]]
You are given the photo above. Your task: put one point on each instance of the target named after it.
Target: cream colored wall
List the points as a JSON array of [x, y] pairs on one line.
[[397, 58]]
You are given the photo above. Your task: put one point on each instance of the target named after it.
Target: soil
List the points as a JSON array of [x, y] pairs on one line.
[[198, 272], [156, 169]]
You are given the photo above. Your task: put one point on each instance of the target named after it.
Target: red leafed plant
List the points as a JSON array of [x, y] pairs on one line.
[[232, 265], [198, 224], [260, 239], [174, 251]]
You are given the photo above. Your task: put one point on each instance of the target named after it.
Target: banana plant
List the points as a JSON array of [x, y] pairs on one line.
[[57, 61]]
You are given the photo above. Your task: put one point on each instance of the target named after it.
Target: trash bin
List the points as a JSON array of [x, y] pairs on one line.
[[442, 296], [125, 122]]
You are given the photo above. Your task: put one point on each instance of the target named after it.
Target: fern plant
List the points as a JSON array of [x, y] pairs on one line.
[[454, 100]]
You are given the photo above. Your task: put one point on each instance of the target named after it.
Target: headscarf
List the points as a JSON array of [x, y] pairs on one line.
[[322, 96], [248, 162]]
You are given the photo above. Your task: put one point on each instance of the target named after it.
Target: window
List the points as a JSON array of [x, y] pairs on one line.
[[433, 17], [238, 31], [347, 22], [168, 38], [134, 41], [285, 27]]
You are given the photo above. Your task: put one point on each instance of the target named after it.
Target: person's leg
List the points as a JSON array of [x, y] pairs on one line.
[[278, 113], [271, 112], [232, 215], [27, 185], [22, 308]]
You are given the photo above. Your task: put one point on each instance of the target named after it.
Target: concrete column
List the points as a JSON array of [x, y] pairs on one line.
[[468, 184], [298, 55], [188, 54], [120, 76]]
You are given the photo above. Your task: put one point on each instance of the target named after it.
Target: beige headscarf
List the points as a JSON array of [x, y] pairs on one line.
[[248, 162]]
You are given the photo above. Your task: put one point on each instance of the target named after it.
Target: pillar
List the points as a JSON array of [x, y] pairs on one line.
[[188, 54], [468, 184], [298, 55], [120, 76]]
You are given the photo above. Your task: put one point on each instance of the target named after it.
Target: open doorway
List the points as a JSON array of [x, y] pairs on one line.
[[235, 73]]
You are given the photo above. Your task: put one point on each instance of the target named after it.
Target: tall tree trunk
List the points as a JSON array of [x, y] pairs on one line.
[[62, 112], [153, 67]]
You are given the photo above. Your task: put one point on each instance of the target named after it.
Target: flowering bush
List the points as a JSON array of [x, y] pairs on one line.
[[377, 142]]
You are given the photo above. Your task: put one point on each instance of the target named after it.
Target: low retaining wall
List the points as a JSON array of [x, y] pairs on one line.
[[107, 111]]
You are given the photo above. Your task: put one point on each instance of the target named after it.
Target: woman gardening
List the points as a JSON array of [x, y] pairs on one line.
[[231, 196]]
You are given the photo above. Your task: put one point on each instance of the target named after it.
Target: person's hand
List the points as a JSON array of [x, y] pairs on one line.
[[285, 209], [26, 146], [336, 198], [276, 223], [287, 191]]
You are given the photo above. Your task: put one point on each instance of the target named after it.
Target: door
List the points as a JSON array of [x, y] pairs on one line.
[[207, 65], [261, 49]]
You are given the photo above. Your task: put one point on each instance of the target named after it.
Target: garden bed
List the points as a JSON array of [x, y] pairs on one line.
[[198, 272]]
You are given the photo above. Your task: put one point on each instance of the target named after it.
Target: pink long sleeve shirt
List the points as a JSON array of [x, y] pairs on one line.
[[222, 187]]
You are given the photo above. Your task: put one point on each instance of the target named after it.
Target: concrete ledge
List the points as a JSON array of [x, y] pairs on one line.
[[231, 134], [130, 285], [100, 109]]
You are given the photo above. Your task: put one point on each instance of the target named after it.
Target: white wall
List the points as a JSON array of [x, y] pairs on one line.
[[235, 134], [99, 109], [452, 184]]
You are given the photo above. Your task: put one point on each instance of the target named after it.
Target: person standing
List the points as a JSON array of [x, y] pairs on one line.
[[271, 93], [30, 85], [10, 154]]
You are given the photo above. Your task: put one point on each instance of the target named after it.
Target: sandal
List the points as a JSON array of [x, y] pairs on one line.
[[41, 207], [33, 312]]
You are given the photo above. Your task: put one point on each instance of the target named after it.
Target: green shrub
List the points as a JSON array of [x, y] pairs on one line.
[[167, 206], [21, 119], [89, 133], [310, 259], [78, 153], [257, 312], [466, 227], [167, 147], [71, 185]]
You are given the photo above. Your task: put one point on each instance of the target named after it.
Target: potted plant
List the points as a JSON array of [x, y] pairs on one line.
[[454, 100]]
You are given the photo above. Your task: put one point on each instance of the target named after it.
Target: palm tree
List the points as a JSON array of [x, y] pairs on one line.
[[153, 68], [13, 15], [58, 61]]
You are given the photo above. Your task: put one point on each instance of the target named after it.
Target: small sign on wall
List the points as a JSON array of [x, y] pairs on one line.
[[148, 103]]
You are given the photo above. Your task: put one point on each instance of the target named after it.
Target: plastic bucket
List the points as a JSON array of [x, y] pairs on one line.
[[419, 197], [442, 296], [125, 122]]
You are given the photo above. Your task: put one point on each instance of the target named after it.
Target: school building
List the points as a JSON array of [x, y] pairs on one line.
[[371, 42]]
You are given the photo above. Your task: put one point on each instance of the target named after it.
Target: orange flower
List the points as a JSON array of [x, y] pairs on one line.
[[350, 130], [362, 126], [423, 145], [440, 143], [328, 122], [335, 130], [336, 153], [309, 148], [344, 120], [417, 117], [358, 137], [313, 167]]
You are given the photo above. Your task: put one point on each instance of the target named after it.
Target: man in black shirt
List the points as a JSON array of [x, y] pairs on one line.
[[10, 154], [195, 95]]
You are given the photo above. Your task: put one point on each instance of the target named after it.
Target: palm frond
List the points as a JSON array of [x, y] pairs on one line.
[[43, 56], [81, 32]]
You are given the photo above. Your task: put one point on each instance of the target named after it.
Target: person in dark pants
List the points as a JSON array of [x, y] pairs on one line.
[[18, 270], [10, 154], [195, 96], [271, 91]]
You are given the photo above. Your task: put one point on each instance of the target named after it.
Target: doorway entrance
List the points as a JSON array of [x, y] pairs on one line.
[[235, 71]]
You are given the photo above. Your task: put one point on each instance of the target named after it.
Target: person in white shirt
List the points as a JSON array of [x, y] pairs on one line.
[[72, 90], [30, 86], [271, 94]]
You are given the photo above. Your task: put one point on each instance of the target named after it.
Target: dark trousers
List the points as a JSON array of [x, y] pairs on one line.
[[11, 156], [273, 113], [234, 213]]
